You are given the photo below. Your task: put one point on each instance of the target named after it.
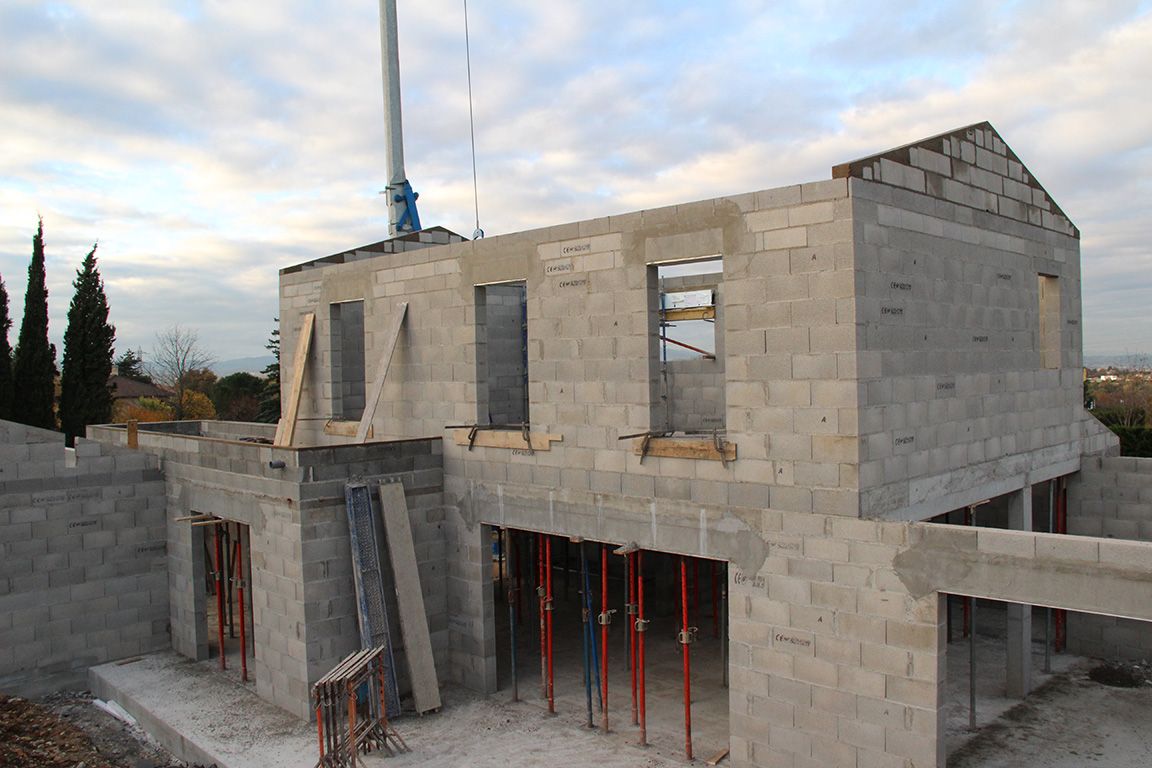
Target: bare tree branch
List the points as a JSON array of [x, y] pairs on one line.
[[176, 354]]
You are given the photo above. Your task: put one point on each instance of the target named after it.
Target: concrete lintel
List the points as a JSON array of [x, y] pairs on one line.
[[948, 558]]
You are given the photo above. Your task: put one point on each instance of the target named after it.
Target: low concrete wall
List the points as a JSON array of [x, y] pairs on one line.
[[83, 578], [1111, 497], [302, 591]]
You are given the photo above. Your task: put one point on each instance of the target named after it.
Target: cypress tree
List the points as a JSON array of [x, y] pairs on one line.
[[34, 366], [5, 356], [84, 394]]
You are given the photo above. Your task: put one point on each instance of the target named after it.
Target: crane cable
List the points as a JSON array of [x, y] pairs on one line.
[[479, 233]]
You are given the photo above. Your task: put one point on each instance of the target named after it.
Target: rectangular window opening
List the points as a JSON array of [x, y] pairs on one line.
[[347, 347], [502, 354], [1049, 336], [686, 353]]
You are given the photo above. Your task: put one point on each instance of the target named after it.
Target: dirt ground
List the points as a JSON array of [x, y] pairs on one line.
[[1072, 720], [65, 730]]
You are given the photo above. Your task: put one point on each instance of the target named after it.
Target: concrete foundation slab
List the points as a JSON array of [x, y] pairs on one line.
[[201, 716]]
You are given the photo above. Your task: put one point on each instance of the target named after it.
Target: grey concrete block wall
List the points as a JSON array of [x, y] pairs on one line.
[[302, 591], [83, 578], [1111, 497]]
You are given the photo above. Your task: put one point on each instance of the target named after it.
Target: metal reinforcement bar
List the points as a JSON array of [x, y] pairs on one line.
[[351, 713]]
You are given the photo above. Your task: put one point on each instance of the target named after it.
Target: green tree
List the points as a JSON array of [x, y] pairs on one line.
[[130, 365], [34, 365], [88, 344], [5, 356], [269, 411], [237, 396]]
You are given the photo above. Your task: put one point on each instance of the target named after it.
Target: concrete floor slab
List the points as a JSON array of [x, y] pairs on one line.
[[202, 716]]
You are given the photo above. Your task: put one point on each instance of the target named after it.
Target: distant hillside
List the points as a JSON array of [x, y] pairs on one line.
[[1134, 360], [254, 365]]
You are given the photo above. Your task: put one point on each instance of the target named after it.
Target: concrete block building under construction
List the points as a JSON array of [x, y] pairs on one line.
[[791, 436]]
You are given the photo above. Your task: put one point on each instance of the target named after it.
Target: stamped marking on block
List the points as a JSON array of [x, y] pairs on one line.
[[74, 494], [83, 523], [980, 339], [145, 548], [558, 267], [898, 285], [1003, 275], [903, 441], [945, 387], [893, 311], [573, 249], [788, 638], [1073, 322], [576, 282], [741, 578]]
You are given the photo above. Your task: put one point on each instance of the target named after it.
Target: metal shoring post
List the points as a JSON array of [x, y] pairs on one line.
[[630, 616], [641, 627], [548, 608], [605, 619], [219, 593], [513, 601], [972, 669], [594, 650], [685, 641], [1048, 612], [500, 559], [540, 595], [228, 577], [584, 633], [724, 625]]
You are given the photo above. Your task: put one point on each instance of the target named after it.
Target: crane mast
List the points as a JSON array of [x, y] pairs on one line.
[[402, 214]]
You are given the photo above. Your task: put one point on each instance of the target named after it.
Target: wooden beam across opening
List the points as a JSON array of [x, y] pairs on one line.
[[364, 431], [685, 448], [507, 438], [286, 429], [690, 313]]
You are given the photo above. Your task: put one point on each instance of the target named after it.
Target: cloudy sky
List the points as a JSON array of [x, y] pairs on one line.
[[207, 144]]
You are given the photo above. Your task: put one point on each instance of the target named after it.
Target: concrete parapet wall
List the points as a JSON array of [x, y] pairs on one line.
[[83, 577]]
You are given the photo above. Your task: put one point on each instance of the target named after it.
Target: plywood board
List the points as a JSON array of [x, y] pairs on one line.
[[507, 438], [286, 429], [343, 428], [686, 448], [363, 432], [409, 598]]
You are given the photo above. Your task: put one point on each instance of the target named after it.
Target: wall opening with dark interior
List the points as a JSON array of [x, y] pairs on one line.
[[502, 354], [227, 616], [686, 350], [590, 580], [347, 346]]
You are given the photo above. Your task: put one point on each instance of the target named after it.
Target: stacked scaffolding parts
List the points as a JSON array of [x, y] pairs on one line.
[[351, 712]]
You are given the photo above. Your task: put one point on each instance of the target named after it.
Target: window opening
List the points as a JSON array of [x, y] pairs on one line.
[[347, 348], [502, 354], [1049, 337], [688, 391]]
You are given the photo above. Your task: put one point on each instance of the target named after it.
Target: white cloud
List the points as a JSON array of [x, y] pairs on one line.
[[207, 144]]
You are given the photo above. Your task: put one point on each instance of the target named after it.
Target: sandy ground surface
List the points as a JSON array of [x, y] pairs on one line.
[[1070, 720]]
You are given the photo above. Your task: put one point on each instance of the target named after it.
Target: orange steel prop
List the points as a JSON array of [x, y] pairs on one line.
[[239, 571], [631, 617], [604, 631], [220, 592], [548, 608], [640, 628], [543, 632], [684, 642]]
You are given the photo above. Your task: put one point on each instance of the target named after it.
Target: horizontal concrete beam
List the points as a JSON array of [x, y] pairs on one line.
[[1110, 577]]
